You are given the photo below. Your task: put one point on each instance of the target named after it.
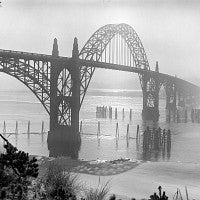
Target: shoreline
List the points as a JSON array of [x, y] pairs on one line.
[[128, 179], [93, 167], [143, 181]]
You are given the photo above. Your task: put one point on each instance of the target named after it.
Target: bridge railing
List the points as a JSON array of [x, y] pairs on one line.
[[32, 55], [23, 53]]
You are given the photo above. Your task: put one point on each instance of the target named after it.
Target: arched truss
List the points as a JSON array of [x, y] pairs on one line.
[[153, 88], [112, 43], [64, 91], [33, 73], [177, 95]]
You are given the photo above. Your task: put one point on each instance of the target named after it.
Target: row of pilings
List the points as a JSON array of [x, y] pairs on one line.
[[149, 139], [179, 116], [111, 112], [117, 133], [195, 115], [16, 130], [156, 138]]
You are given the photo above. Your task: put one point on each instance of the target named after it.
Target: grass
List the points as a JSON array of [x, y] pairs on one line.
[[178, 195], [58, 182], [99, 193]]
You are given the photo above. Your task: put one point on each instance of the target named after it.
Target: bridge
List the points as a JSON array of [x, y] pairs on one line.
[[61, 83]]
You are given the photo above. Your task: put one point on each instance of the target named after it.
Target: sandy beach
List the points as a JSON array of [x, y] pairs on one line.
[[136, 179], [143, 180]]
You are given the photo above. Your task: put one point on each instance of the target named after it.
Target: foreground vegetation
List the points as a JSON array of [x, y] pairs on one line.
[[19, 180]]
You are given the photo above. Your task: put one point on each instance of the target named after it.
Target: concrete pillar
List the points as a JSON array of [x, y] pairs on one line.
[[75, 74], [174, 98], [144, 91], [157, 89], [151, 111], [53, 89], [167, 98], [64, 139]]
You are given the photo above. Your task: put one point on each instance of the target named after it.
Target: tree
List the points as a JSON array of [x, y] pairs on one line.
[[16, 169]]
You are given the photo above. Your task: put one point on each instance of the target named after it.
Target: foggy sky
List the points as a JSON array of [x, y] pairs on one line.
[[169, 31]]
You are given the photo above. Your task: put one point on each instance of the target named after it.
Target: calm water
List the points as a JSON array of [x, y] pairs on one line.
[[24, 106]]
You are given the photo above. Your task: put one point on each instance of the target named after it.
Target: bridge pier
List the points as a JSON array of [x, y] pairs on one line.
[[64, 137], [195, 101], [150, 89], [171, 96], [75, 101], [181, 99]]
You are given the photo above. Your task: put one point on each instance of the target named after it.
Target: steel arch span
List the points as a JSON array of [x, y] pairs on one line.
[[35, 75], [35, 72], [95, 49]]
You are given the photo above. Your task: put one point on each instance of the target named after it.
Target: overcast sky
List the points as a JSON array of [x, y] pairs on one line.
[[169, 30]]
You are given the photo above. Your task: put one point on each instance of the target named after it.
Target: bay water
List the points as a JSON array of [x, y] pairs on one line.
[[23, 106]]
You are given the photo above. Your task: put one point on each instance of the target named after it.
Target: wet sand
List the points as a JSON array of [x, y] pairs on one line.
[[95, 167], [132, 178], [144, 180]]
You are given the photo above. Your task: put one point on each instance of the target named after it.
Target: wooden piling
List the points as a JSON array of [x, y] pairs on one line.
[[177, 116], [81, 128], [137, 131], [16, 128], [4, 127], [117, 131], [110, 112], [186, 116], [115, 113], [192, 115], [127, 132], [42, 129], [97, 109], [123, 114], [98, 129], [130, 115], [28, 129]]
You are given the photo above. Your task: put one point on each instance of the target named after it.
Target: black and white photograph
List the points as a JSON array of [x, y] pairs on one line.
[[100, 100]]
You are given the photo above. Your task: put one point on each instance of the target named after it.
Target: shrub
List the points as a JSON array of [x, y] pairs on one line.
[[59, 184], [161, 195], [16, 169]]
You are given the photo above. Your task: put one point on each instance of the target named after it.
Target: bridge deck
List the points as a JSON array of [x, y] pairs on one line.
[[48, 58], [162, 77], [31, 56]]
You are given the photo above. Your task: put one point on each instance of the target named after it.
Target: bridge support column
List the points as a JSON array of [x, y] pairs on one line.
[[150, 89], [63, 137], [181, 99], [75, 102], [194, 100], [53, 88], [197, 100], [171, 96]]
